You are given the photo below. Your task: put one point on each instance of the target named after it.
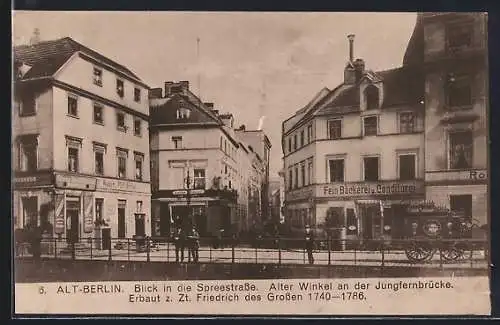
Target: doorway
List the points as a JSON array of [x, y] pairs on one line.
[[72, 219], [461, 204], [164, 219], [121, 218], [371, 221], [140, 226]]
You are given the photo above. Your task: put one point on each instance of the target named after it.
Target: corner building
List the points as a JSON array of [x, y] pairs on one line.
[[355, 154], [80, 143], [451, 49]]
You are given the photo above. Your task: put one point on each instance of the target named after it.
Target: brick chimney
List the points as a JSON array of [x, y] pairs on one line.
[[155, 93], [350, 37], [349, 70], [184, 86], [168, 88]]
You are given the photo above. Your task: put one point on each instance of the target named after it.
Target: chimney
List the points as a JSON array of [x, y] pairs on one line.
[[168, 88], [184, 85], [155, 93], [359, 67], [350, 37], [35, 38]]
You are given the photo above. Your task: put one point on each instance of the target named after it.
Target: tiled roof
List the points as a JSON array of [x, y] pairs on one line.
[[47, 57]]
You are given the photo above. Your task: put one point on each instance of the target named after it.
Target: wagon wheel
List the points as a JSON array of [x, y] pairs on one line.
[[452, 253], [417, 253]]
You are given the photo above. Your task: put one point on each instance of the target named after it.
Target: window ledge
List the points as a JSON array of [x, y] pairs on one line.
[[99, 123], [27, 114], [139, 135], [73, 116]]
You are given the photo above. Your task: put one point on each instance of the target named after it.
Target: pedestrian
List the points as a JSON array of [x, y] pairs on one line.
[[309, 240], [179, 242], [36, 242], [194, 245]]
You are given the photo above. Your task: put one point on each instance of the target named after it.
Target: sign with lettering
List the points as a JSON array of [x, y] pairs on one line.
[[382, 188], [306, 193], [473, 175], [59, 224], [88, 212], [107, 184], [33, 180], [75, 182]]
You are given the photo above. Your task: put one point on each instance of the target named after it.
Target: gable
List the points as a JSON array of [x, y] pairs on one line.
[[166, 112]]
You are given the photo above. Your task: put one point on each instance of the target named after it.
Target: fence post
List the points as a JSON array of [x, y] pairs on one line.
[[148, 246], [232, 252], [256, 255], [329, 243], [440, 257], [73, 250], [279, 251], [471, 256], [109, 250], [168, 250], [128, 249], [383, 254], [55, 248], [91, 244]]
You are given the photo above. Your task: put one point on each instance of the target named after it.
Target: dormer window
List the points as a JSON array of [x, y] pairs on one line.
[[183, 113], [372, 97]]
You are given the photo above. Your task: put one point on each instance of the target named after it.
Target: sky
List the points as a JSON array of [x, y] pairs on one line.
[[250, 64]]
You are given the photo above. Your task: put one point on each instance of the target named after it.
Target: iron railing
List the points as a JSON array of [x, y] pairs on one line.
[[470, 253]]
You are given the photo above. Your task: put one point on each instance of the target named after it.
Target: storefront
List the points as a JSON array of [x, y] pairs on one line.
[[357, 210], [207, 210]]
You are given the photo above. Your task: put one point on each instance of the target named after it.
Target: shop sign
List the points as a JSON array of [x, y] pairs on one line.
[[300, 194], [75, 182], [106, 184], [370, 189], [88, 213], [33, 180], [59, 223], [475, 175]]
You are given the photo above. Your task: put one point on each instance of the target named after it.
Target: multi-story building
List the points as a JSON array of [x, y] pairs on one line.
[[452, 50], [80, 142], [353, 154], [202, 172]]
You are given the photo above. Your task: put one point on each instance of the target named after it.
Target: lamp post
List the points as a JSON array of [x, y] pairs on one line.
[[187, 183]]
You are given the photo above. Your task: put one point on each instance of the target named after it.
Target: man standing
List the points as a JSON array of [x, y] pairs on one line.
[[194, 245], [179, 244], [309, 239]]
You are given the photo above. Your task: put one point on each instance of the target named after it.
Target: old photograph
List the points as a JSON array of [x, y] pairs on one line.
[[212, 149]]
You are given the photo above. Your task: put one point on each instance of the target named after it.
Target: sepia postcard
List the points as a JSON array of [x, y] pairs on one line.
[[250, 163]]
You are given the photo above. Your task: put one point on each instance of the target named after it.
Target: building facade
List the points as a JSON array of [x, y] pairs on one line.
[[80, 143], [452, 50], [202, 173], [354, 155]]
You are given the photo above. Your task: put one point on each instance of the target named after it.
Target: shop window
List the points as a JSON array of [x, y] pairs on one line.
[[120, 88], [407, 170], [334, 217], [334, 129], [460, 150], [372, 97], [370, 125], [98, 114], [121, 156], [139, 159], [30, 211], [459, 91], [336, 170], [199, 179], [28, 153], [371, 169], [99, 208], [351, 221], [406, 122]]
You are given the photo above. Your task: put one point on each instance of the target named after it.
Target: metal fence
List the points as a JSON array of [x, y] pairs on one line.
[[466, 253]]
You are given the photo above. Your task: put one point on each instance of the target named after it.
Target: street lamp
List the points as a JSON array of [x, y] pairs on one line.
[[187, 184]]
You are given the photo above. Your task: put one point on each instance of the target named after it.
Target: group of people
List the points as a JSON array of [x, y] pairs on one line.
[[189, 240]]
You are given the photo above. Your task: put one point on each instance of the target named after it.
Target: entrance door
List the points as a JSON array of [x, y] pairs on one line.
[[72, 219], [121, 218], [372, 221], [140, 226]]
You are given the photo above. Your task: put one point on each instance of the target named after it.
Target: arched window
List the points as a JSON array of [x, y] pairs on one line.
[[372, 97]]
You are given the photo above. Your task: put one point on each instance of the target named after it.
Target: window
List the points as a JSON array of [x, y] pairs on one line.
[[295, 142], [120, 121], [30, 211], [28, 105], [459, 35], [73, 145], [407, 167], [97, 77], [290, 179], [309, 133], [122, 156], [290, 144], [137, 94], [370, 125], [199, 179], [99, 162], [120, 89], [372, 97], [458, 91], [406, 122], [98, 114], [336, 167], [72, 106], [303, 174], [99, 208], [138, 158], [138, 206], [296, 180], [334, 129], [122, 206], [371, 169], [310, 172], [178, 142], [183, 113], [137, 127], [461, 150], [73, 159], [302, 138], [28, 153]]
